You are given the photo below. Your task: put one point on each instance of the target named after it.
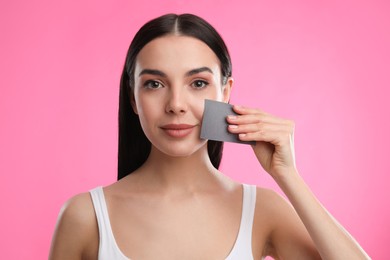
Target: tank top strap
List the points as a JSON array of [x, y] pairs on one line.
[[108, 249], [243, 246]]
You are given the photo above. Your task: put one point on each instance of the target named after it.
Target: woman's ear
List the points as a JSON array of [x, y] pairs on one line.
[[227, 88], [133, 104]]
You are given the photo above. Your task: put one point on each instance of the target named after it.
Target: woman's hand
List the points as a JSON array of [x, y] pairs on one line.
[[274, 138], [274, 149]]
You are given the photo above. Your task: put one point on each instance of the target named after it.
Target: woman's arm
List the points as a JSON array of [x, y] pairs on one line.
[[76, 235], [275, 151], [330, 238]]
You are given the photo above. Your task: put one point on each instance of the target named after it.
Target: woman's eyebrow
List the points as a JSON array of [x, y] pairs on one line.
[[162, 74], [198, 70], [153, 72]]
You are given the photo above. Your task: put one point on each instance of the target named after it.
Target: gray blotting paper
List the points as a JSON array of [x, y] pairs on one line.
[[214, 124]]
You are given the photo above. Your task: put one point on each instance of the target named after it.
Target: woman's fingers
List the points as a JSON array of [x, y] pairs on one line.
[[247, 110], [274, 137], [252, 116], [256, 125], [273, 133]]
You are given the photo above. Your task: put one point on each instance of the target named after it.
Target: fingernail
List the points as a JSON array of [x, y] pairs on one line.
[[242, 135], [233, 126], [232, 117]]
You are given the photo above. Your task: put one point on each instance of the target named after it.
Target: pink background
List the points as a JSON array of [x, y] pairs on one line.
[[323, 64]]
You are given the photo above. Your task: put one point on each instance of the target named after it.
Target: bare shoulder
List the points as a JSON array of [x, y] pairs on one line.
[[271, 201], [286, 234], [76, 234], [270, 209], [78, 212]]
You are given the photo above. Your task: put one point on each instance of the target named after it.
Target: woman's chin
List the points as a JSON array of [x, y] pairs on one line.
[[181, 150]]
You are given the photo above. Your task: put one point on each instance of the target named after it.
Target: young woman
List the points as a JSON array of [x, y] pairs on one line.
[[171, 202]]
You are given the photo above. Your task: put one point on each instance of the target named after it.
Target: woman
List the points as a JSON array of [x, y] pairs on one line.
[[171, 202]]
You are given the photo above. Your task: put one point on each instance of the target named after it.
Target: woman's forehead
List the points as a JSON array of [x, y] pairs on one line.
[[177, 52]]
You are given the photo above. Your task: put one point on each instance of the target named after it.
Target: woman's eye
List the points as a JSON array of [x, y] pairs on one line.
[[152, 84], [199, 84]]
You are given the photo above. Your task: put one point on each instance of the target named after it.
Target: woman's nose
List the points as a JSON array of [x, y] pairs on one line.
[[176, 103]]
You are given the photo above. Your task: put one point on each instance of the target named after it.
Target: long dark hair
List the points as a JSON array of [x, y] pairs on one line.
[[134, 147]]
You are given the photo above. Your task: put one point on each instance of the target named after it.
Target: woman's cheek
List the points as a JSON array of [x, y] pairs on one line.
[[199, 104]]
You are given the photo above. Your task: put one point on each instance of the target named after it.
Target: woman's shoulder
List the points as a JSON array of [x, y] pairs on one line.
[[77, 214], [78, 209], [264, 195], [76, 227], [283, 224], [271, 204], [273, 210]]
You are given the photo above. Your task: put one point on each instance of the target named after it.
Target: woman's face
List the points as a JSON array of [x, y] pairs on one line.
[[172, 78]]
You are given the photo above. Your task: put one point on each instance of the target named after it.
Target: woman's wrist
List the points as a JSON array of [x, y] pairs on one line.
[[285, 176]]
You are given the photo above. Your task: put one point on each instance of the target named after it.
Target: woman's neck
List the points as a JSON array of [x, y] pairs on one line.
[[179, 174]]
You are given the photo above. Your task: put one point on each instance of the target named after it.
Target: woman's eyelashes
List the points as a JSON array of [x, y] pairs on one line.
[[199, 84], [196, 84], [152, 84]]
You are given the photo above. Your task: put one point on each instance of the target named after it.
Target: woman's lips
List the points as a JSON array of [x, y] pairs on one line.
[[178, 130]]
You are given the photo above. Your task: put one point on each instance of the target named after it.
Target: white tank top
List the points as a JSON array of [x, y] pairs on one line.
[[109, 250]]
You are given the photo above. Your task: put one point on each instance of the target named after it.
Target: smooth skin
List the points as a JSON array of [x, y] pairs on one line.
[[177, 205]]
